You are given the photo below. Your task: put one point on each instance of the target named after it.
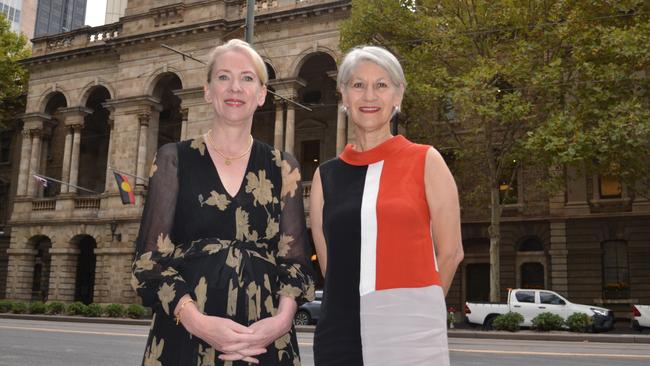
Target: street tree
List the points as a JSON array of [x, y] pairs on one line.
[[491, 83], [13, 77]]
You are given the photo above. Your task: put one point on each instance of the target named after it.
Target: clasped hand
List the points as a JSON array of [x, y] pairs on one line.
[[236, 341]]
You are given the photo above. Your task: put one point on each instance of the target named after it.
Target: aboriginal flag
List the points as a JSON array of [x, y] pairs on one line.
[[126, 191]]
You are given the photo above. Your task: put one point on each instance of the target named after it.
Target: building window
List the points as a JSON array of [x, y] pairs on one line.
[[616, 270], [609, 187], [532, 275], [5, 147], [509, 184]]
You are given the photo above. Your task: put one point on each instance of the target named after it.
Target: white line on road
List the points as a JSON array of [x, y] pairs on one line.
[[562, 354]]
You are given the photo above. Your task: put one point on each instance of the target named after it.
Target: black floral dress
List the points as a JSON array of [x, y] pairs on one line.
[[234, 255]]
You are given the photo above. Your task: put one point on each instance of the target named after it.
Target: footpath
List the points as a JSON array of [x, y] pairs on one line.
[[622, 333]]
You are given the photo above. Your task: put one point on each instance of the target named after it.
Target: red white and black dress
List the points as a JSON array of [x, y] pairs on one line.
[[383, 303]]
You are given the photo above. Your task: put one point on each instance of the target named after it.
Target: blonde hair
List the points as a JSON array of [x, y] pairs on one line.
[[245, 48]]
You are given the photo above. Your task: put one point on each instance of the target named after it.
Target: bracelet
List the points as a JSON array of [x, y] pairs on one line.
[[180, 309]]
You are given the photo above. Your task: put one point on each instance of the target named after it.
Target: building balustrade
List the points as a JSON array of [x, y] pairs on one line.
[[75, 39], [87, 203], [47, 204]]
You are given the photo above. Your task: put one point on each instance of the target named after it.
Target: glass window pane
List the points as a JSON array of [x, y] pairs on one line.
[[525, 296]]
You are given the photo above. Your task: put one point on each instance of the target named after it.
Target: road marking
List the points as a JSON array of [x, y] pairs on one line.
[[50, 330], [73, 331], [563, 354]]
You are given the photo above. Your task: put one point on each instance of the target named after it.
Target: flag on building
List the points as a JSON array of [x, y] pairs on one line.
[[42, 181], [126, 191]]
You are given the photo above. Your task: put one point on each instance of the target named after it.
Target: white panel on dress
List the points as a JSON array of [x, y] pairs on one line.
[[368, 266]]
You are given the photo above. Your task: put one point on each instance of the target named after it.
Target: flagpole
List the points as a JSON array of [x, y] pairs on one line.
[[67, 184], [146, 181]]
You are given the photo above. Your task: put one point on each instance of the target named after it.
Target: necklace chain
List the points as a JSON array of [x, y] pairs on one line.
[[227, 159]]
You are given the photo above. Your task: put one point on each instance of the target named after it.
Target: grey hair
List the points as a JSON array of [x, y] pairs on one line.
[[377, 55], [246, 49]]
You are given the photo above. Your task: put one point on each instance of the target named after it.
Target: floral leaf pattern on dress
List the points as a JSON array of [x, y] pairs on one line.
[[207, 356], [154, 167], [201, 292], [272, 228], [166, 295], [215, 199], [283, 244], [153, 353], [290, 179], [198, 144], [260, 187], [165, 245], [144, 263], [277, 157]]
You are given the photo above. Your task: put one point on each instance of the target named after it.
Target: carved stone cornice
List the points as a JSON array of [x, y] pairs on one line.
[[36, 121], [139, 104], [287, 88]]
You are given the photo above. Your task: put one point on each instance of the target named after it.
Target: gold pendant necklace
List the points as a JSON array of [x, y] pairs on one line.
[[227, 159]]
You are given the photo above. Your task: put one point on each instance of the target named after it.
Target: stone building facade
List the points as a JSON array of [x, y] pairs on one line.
[[107, 97]]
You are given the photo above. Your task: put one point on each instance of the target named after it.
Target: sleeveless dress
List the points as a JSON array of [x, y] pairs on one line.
[[234, 255], [382, 303]]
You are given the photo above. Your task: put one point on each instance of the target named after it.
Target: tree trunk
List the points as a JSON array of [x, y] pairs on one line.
[[495, 241]]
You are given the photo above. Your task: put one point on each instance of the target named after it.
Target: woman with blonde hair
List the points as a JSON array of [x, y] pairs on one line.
[[222, 255], [386, 223]]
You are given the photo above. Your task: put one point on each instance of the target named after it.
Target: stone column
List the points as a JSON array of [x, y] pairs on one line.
[[143, 120], [291, 129], [340, 129], [34, 161], [20, 273], [67, 153], [74, 160], [278, 135], [559, 253], [109, 172], [63, 271], [25, 157]]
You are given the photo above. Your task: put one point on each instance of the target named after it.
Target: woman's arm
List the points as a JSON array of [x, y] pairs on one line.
[[316, 220], [444, 209]]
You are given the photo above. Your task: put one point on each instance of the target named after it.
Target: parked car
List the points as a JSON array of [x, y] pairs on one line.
[[641, 317], [530, 303], [309, 312]]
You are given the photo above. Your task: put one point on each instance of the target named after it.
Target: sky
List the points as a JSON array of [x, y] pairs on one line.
[[95, 12]]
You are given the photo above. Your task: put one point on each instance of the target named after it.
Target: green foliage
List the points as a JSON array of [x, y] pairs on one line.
[[19, 308], [76, 308], [115, 310], [135, 311], [93, 310], [579, 322], [547, 321], [510, 321], [54, 308], [5, 306], [13, 77], [37, 307]]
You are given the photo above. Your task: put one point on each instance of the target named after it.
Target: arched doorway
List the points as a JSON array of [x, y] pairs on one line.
[[53, 144], [314, 144], [86, 263], [170, 118], [41, 270], [93, 152]]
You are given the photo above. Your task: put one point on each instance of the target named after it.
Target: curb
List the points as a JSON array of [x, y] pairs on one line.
[[451, 333], [550, 336]]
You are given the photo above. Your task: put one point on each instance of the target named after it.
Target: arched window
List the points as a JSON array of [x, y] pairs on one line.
[[531, 245], [532, 275]]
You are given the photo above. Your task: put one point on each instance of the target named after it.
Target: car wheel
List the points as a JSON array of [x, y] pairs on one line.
[[487, 323], [302, 318]]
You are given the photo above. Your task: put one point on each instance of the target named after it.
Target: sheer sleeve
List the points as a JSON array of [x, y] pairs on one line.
[[296, 276], [154, 277]]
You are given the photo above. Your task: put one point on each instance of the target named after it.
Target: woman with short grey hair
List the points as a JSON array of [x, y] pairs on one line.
[[385, 219]]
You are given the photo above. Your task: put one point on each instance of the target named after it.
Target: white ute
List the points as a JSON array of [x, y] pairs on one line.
[[530, 303], [641, 315]]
